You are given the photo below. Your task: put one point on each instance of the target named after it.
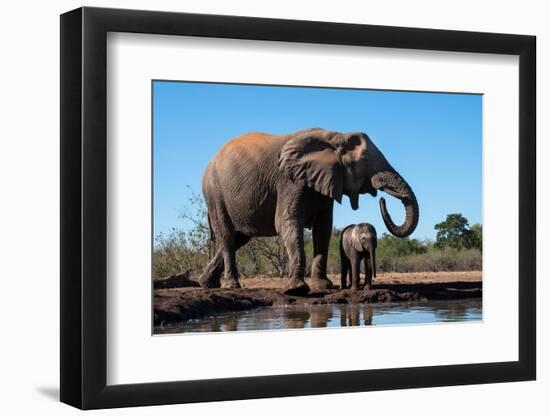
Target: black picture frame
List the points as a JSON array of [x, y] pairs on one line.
[[84, 207]]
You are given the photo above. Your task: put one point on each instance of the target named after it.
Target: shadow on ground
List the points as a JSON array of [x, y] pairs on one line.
[[50, 392]]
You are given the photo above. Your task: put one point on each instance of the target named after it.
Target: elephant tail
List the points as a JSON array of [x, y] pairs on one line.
[[210, 245], [211, 237]]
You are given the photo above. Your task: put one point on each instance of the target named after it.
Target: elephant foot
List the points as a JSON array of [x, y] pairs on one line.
[[209, 281], [230, 283], [296, 286], [321, 284]]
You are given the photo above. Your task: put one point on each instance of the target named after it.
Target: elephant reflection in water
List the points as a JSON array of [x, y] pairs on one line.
[[317, 316], [350, 315], [367, 315], [227, 324], [230, 325], [295, 319], [320, 316], [453, 311]]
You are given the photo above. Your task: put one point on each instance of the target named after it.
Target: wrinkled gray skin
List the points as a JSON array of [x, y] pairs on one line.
[[358, 243], [264, 185]]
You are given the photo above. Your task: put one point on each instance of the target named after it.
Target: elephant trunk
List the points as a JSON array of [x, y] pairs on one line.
[[393, 184]]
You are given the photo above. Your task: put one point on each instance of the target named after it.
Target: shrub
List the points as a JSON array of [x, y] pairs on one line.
[[176, 252], [434, 260]]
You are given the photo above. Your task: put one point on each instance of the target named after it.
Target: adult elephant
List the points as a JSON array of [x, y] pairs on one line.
[[265, 185]]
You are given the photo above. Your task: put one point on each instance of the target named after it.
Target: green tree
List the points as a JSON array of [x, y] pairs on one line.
[[477, 236], [454, 232]]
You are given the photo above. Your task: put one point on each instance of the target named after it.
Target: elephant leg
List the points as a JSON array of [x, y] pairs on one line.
[[321, 231], [368, 273], [231, 278], [289, 225], [227, 240], [344, 266], [355, 270], [211, 276], [293, 239]]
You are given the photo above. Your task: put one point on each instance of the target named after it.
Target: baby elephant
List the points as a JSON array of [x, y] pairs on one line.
[[358, 242]]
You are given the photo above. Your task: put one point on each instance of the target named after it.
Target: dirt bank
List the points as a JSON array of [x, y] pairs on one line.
[[260, 281], [179, 304]]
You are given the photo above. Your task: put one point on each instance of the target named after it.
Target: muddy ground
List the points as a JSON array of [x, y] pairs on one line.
[[178, 298]]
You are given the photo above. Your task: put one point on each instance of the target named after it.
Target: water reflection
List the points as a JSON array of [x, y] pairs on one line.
[[350, 314], [293, 318], [332, 315], [320, 317]]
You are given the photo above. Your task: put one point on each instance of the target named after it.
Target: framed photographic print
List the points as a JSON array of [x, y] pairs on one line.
[[257, 208]]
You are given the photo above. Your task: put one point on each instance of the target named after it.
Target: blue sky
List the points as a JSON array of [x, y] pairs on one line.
[[433, 140]]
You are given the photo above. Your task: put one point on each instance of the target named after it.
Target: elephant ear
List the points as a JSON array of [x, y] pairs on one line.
[[309, 158], [356, 239]]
